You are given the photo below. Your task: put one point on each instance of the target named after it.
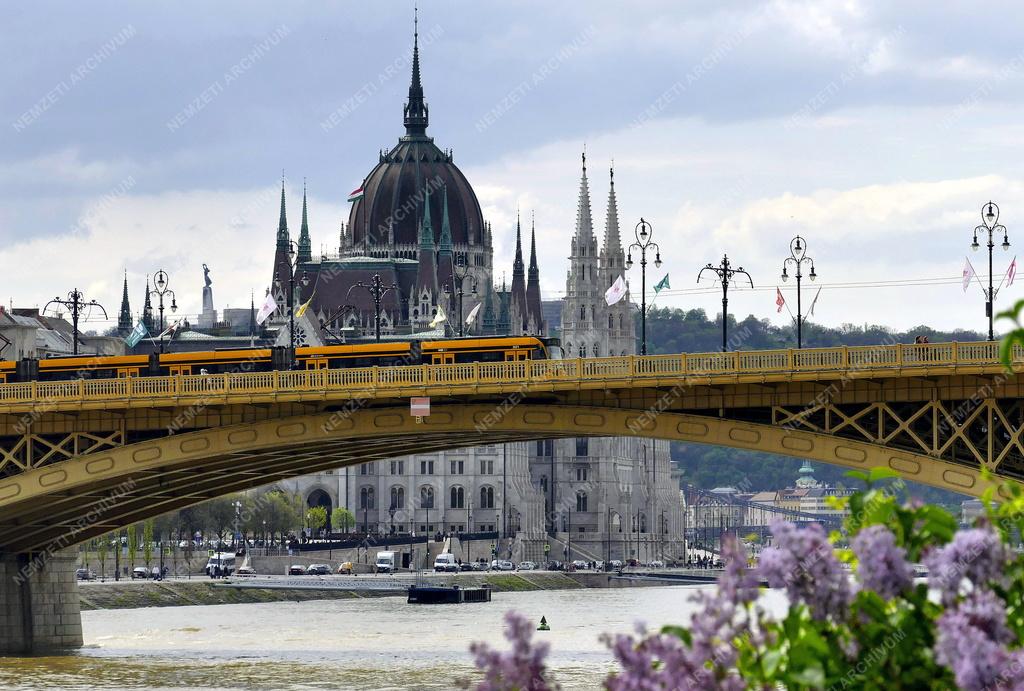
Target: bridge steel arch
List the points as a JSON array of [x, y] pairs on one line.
[[59, 505]]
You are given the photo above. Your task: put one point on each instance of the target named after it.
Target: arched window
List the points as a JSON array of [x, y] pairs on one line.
[[583, 350], [611, 321], [621, 322], [583, 312], [427, 497], [397, 497], [366, 498], [643, 523], [581, 501], [597, 350], [544, 483], [458, 498], [593, 314], [486, 497]]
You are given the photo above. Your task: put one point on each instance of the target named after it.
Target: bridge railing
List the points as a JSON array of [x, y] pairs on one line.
[[839, 359]]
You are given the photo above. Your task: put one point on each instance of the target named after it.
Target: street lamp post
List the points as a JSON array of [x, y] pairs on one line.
[[460, 272], [77, 304], [798, 257], [377, 291], [290, 299], [991, 225], [644, 240], [725, 274]]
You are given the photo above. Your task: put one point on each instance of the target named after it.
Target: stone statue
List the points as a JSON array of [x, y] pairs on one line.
[[206, 275]]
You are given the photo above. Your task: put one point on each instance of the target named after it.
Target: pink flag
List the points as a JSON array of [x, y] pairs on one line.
[[779, 300], [1011, 273], [968, 274]]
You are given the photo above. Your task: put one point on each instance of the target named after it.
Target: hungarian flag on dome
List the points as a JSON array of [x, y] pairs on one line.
[[356, 194]]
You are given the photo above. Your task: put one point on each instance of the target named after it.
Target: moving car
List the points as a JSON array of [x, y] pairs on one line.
[[140, 572], [84, 575], [296, 570], [526, 566], [318, 570], [446, 562], [579, 564], [245, 572], [345, 568], [657, 564], [500, 565]]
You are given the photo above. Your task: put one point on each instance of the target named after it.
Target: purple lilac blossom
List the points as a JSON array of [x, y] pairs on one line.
[[971, 641], [882, 566], [520, 669], [976, 554], [661, 661], [803, 562]]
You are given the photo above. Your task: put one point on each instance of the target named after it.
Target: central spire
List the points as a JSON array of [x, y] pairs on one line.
[[416, 111], [305, 245]]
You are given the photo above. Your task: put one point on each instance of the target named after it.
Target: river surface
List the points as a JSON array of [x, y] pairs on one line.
[[372, 643]]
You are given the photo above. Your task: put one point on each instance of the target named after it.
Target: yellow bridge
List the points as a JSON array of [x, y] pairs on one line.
[[80, 458]]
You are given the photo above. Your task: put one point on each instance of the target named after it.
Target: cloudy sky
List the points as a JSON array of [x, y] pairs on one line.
[[140, 136]]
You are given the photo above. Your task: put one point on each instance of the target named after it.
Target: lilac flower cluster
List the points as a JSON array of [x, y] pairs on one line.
[[971, 640], [882, 566], [976, 554], [662, 661], [520, 669], [802, 562]]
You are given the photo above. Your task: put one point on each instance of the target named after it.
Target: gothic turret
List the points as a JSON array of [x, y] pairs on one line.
[[519, 311], [147, 310], [533, 302], [445, 257], [124, 318], [305, 254], [416, 111], [618, 328], [282, 260], [583, 308], [426, 275]]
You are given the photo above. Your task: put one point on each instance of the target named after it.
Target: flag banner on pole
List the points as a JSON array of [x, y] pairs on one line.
[[356, 194], [438, 318], [616, 292], [472, 313], [170, 330], [138, 333], [304, 306], [810, 312], [1011, 273], [969, 273], [268, 307], [661, 285], [779, 300]]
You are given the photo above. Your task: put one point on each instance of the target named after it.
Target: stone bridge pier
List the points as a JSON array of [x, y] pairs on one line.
[[39, 610]]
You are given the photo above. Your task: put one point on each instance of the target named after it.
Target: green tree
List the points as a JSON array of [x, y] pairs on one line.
[[147, 542], [316, 518], [133, 544], [342, 519]]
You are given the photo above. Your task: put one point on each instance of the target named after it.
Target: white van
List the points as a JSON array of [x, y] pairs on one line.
[[385, 562], [446, 562], [225, 560]]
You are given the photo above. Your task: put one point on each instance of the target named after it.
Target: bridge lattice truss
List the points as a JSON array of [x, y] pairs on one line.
[[937, 413]]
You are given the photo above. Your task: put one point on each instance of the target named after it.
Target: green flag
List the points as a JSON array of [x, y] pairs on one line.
[[138, 333], [662, 284]]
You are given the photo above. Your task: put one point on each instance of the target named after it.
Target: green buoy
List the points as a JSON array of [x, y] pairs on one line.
[[543, 625]]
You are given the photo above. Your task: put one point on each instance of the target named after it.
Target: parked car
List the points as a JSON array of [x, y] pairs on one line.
[[296, 570], [657, 564], [387, 562], [318, 570], [505, 566], [526, 566], [140, 572], [615, 564], [554, 566], [466, 566], [480, 565], [84, 575], [245, 572], [580, 564], [346, 568]]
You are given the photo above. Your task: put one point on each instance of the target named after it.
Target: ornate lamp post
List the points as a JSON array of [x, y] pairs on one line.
[[725, 274], [377, 291], [76, 303], [290, 298], [460, 272], [798, 257], [161, 287], [644, 240], [991, 225]]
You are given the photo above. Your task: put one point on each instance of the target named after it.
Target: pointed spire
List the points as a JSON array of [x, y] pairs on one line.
[[446, 229], [124, 319], [584, 225], [253, 330], [305, 248], [147, 309], [426, 227], [533, 302], [518, 300], [533, 244], [282, 225], [612, 241], [426, 275], [416, 111], [517, 263]]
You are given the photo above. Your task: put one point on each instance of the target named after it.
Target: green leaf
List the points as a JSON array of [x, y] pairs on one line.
[[770, 662]]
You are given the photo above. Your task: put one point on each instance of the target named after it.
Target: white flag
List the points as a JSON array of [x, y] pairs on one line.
[[438, 318], [810, 312], [472, 313], [968, 274], [1011, 273], [268, 308], [616, 292], [170, 330]]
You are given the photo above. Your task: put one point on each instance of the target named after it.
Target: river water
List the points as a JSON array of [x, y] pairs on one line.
[[372, 643]]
